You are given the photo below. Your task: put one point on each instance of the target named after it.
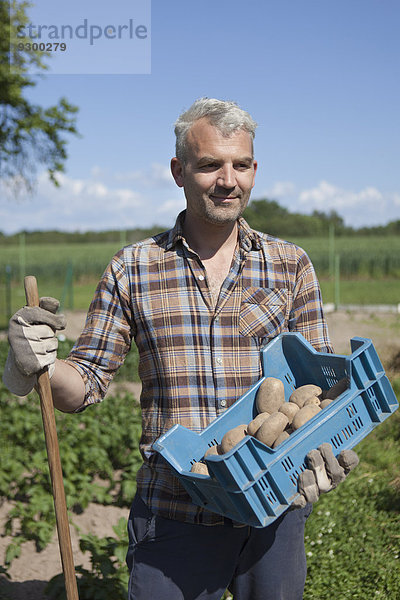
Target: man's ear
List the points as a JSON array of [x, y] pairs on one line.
[[177, 171], [255, 165]]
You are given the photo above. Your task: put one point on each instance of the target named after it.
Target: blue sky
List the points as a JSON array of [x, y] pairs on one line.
[[321, 78]]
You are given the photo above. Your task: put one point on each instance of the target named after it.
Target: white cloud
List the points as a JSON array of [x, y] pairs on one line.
[[84, 192], [281, 189], [77, 204], [96, 190], [99, 172], [365, 207], [96, 202], [327, 197]]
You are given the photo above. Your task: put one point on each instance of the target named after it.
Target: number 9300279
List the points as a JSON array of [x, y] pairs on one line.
[[42, 46]]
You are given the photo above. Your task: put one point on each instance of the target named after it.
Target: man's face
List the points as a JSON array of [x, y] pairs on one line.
[[218, 175]]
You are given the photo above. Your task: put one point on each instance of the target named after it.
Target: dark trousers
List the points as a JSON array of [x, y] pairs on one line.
[[170, 560]]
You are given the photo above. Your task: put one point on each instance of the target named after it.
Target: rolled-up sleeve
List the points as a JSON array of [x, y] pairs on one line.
[[106, 338]]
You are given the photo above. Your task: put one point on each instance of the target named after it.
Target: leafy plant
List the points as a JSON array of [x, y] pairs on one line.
[[95, 447], [108, 577], [353, 534]]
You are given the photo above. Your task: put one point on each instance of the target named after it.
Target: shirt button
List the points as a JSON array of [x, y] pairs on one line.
[[216, 319], [201, 277], [219, 360], [223, 402]]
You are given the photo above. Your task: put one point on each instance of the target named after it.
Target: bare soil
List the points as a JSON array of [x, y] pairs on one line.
[[30, 572]]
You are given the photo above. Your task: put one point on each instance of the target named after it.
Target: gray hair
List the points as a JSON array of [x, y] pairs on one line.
[[226, 116]]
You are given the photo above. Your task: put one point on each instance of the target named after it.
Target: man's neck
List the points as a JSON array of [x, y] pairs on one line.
[[208, 239]]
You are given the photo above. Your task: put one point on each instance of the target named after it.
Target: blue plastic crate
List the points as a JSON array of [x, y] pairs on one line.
[[254, 483]]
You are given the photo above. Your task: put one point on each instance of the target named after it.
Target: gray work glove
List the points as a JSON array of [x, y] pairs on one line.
[[33, 344], [325, 472]]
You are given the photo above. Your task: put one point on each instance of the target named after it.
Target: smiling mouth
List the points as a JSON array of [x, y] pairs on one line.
[[223, 198]]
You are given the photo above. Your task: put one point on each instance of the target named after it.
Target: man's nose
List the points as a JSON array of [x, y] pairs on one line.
[[226, 177]]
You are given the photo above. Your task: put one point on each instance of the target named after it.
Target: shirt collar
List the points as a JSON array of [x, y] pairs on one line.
[[176, 234], [248, 238]]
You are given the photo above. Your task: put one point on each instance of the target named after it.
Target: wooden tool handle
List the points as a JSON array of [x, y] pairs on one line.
[[53, 457]]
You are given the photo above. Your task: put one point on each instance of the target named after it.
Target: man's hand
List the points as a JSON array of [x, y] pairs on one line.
[[33, 344], [324, 474]]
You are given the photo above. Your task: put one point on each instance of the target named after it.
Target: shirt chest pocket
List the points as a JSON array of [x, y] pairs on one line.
[[264, 312]]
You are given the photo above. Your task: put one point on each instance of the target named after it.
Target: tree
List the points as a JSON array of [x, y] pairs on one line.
[[270, 217], [266, 215], [30, 135]]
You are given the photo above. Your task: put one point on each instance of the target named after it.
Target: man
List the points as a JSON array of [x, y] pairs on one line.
[[200, 302]]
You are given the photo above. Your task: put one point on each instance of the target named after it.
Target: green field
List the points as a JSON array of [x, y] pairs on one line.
[[369, 270], [372, 256], [51, 261], [362, 291]]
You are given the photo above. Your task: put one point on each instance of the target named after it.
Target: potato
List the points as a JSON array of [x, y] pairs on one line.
[[270, 395], [271, 428], [256, 423], [313, 400], [305, 414], [336, 389], [281, 438], [303, 393], [199, 467], [213, 451], [233, 437], [289, 409], [325, 403]]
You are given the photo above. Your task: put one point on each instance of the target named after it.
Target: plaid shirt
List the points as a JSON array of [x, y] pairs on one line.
[[195, 359]]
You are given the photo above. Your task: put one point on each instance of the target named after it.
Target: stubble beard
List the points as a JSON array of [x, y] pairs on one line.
[[218, 214]]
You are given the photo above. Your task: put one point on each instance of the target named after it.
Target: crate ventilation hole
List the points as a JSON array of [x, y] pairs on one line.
[[351, 410], [331, 377], [288, 465], [264, 485], [289, 378], [347, 432], [295, 475], [373, 399], [210, 444]]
